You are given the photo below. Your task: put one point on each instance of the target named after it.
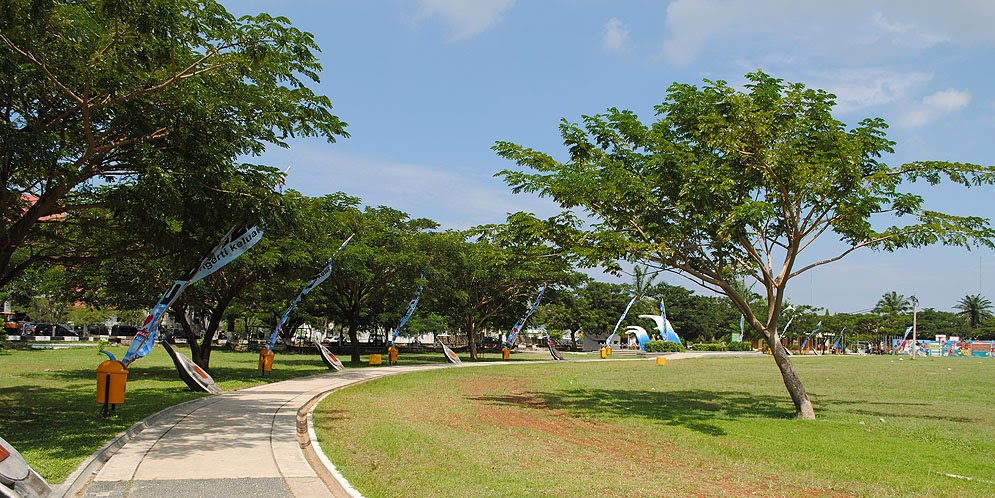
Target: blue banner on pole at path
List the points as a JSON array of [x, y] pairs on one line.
[[407, 314], [232, 245], [317, 280], [510, 342], [608, 341]]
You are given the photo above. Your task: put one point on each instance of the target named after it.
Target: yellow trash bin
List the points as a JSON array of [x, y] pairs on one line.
[[376, 359], [661, 360], [111, 380]]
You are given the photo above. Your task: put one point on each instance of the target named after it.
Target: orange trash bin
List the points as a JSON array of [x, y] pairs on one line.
[[266, 361], [112, 377]]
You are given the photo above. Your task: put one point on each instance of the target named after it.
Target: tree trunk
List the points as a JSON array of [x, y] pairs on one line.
[[471, 333], [354, 339], [803, 405], [203, 360]]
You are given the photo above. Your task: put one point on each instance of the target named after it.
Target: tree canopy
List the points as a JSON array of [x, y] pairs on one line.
[[100, 100], [729, 183]]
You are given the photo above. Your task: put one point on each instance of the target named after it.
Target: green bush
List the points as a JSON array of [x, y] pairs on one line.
[[739, 346], [664, 347], [719, 346]]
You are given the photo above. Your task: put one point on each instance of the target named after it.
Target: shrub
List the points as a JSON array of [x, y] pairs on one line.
[[740, 346], [663, 347], [719, 346]]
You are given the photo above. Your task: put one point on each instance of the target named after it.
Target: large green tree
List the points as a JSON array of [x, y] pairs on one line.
[[99, 97], [491, 274], [265, 280], [377, 274], [729, 183]]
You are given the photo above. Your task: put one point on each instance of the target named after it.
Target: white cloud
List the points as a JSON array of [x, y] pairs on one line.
[[466, 18], [934, 106], [691, 24], [859, 89], [841, 29], [454, 200], [615, 37], [905, 34]]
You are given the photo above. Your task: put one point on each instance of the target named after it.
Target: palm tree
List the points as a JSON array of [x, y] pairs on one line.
[[642, 282], [891, 307], [974, 308], [892, 304]]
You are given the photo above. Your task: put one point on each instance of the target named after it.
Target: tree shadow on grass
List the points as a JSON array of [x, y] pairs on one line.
[[697, 410], [65, 423]]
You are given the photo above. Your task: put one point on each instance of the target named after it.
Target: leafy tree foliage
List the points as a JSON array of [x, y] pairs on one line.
[[591, 308], [730, 183], [492, 274], [376, 274], [118, 104]]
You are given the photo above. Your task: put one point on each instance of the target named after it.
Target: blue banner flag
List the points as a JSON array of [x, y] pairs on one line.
[[318, 279], [608, 341], [407, 314], [667, 332], [233, 245], [809, 335], [510, 342]]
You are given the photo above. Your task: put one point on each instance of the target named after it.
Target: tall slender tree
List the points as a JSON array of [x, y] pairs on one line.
[[730, 183]]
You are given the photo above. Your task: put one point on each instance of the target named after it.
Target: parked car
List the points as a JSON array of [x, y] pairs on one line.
[[26, 328], [87, 330], [53, 330], [63, 331], [124, 330], [332, 341]]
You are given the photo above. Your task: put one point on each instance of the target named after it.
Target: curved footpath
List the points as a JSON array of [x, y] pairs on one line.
[[251, 442]]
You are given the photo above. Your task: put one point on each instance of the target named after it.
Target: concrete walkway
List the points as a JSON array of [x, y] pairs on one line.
[[239, 444]]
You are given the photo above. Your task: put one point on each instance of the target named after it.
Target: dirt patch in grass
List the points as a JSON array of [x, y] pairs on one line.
[[514, 408]]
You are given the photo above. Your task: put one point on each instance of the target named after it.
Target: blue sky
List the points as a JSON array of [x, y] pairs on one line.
[[428, 86]]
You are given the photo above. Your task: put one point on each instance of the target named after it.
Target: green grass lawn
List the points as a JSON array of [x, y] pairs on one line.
[[702, 427]]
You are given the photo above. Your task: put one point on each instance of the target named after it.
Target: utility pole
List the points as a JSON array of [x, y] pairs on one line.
[[915, 310]]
